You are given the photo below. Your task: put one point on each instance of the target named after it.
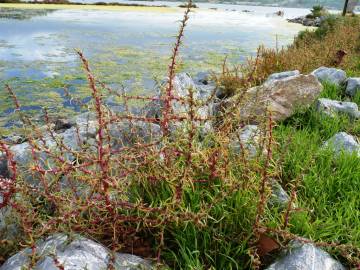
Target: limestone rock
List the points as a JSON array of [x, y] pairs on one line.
[[331, 107], [331, 75], [247, 139], [353, 86], [74, 139], [3, 166], [343, 142], [75, 253], [305, 256], [182, 83], [62, 124], [9, 226], [279, 198], [204, 84], [304, 20], [282, 75], [282, 97], [125, 134]]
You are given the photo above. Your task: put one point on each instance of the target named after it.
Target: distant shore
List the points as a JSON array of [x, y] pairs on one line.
[[97, 6]]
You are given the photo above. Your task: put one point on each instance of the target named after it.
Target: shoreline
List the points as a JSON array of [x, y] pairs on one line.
[[89, 6]]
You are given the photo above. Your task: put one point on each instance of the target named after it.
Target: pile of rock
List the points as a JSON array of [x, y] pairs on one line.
[[282, 94], [340, 142], [307, 21], [60, 251]]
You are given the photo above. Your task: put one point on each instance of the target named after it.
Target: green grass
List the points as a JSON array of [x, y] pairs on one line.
[[328, 198], [329, 193]]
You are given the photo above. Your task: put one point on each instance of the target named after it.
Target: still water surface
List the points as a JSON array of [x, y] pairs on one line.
[[129, 46]]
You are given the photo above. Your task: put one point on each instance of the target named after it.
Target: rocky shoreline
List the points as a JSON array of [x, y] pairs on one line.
[[311, 22], [282, 92]]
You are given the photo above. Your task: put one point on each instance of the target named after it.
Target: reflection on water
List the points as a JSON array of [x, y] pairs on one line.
[[129, 47]]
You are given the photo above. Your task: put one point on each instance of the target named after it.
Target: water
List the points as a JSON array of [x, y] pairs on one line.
[[128, 47]]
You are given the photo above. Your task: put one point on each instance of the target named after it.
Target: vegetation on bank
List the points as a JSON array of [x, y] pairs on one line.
[[186, 199], [332, 4], [336, 43], [317, 11]]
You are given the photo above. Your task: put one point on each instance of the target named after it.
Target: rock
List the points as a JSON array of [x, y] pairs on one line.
[[343, 142], [282, 97], [331, 75], [204, 84], [154, 109], [279, 198], [75, 139], [202, 78], [308, 21], [182, 83], [9, 228], [3, 166], [125, 134], [317, 21], [24, 157], [353, 86], [331, 107], [305, 256], [14, 139], [246, 138], [62, 125], [83, 118], [282, 75], [74, 253], [297, 20]]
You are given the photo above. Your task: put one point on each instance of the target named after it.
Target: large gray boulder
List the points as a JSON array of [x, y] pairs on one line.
[[74, 253], [282, 75], [330, 75], [343, 142], [332, 107], [282, 97], [353, 86], [305, 257]]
